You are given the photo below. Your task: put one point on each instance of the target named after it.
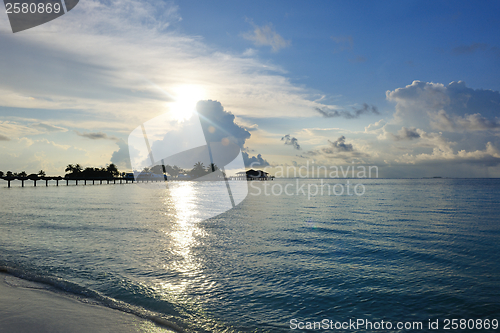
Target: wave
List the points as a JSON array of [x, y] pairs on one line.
[[89, 296]]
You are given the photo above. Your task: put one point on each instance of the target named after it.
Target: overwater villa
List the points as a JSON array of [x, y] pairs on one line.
[[254, 175]]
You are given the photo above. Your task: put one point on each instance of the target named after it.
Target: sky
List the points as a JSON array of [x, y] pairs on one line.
[[411, 87]]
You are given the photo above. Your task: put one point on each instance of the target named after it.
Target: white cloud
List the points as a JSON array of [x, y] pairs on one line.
[[415, 100], [266, 36], [120, 63], [31, 156], [375, 126], [110, 66], [490, 156], [14, 129], [446, 107], [466, 118], [469, 122], [48, 128]]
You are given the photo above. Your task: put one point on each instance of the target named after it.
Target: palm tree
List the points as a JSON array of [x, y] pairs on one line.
[[73, 168], [112, 169], [198, 170], [41, 173], [70, 168], [171, 170]]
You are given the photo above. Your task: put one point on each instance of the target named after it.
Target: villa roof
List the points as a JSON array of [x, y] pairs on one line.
[[254, 173]]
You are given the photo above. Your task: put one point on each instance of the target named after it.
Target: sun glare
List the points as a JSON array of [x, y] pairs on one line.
[[186, 97]]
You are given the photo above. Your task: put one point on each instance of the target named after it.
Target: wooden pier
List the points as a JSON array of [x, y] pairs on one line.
[[114, 180]]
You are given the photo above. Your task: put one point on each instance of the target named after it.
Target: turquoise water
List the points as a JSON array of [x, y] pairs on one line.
[[405, 250]]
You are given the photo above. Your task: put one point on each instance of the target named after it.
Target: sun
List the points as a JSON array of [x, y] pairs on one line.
[[185, 99]]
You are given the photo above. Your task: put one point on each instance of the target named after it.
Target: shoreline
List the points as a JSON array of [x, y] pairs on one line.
[[27, 306]]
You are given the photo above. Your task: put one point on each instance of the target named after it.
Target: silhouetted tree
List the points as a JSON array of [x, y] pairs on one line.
[[22, 174], [112, 169], [73, 168], [41, 173], [173, 171], [1, 173], [9, 174], [198, 170]]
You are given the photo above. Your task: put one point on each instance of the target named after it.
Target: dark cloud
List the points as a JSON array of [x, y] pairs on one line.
[[4, 138], [335, 149], [464, 100], [48, 128], [96, 135], [338, 145], [218, 123], [254, 161], [291, 141], [476, 122], [406, 134], [333, 113], [121, 157]]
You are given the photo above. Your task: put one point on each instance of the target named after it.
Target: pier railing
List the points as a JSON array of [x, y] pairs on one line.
[[72, 180]]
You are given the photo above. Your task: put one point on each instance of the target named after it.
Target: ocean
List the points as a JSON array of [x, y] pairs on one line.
[[406, 251]]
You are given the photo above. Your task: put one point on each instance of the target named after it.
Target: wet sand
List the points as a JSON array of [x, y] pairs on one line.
[[31, 307]]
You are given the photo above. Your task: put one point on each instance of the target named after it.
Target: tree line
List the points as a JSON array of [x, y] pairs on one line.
[[198, 170], [22, 174], [76, 171]]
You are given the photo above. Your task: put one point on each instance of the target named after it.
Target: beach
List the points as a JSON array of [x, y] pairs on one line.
[[32, 307]]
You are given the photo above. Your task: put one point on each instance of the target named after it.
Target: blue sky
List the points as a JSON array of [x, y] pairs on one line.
[[343, 48], [411, 87]]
